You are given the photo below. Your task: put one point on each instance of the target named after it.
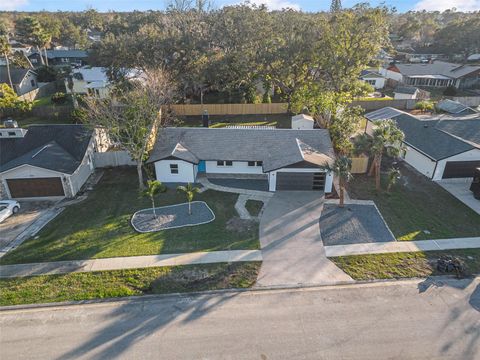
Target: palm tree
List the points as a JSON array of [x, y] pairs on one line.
[[190, 192], [386, 136], [154, 188], [5, 49], [341, 169]]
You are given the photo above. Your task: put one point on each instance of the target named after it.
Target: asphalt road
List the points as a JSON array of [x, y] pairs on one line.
[[407, 320]]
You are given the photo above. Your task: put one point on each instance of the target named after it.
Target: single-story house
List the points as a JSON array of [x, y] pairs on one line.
[[45, 161], [438, 149], [287, 159], [454, 107], [439, 74], [94, 81], [60, 57], [373, 78], [405, 92], [24, 80]]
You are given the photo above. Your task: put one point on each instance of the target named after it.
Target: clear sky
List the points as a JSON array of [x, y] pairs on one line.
[[307, 5]]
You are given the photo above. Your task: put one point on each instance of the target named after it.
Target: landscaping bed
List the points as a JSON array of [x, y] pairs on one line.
[[254, 207], [417, 208], [282, 121], [99, 226], [119, 283], [403, 265], [171, 217]]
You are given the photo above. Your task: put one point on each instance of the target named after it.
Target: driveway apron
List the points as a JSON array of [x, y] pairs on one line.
[[292, 247]]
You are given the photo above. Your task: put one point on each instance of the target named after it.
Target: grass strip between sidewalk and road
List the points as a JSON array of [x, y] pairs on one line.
[[403, 265], [134, 282]]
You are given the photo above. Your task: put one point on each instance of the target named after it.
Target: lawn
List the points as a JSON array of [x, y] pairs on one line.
[[282, 121], [118, 283], [37, 120], [417, 208], [99, 227], [403, 265], [254, 207]]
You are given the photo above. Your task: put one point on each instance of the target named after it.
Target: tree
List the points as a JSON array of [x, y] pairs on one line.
[[425, 106], [154, 187], [30, 31], [190, 192], [10, 100], [460, 36], [5, 50], [341, 169], [133, 116], [386, 137], [393, 176]]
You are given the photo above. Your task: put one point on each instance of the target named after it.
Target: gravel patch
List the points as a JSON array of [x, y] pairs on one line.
[[353, 224], [172, 216]]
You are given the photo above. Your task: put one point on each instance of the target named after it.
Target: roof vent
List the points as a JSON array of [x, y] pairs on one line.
[[425, 126], [10, 123]]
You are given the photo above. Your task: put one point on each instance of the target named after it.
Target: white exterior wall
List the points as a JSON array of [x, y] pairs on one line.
[[391, 74], [186, 171], [472, 155], [238, 167], [272, 177], [302, 124], [86, 168], [420, 162], [26, 85], [400, 96], [379, 83]]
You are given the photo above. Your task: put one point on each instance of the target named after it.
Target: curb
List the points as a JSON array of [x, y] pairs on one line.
[[305, 287]]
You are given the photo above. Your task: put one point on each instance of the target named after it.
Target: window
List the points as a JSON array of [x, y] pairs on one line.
[[228, 163], [371, 82], [251, 163], [173, 168], [259, 163], [11, 133], [220, 163], [224, 163], [32, 82]]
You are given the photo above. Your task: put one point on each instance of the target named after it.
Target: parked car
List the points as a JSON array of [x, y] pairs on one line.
[[8, 208], [475, 186]]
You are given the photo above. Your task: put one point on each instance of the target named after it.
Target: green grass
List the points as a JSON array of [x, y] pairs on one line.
[[282, 121], [99, 226], [118, 283], [416, 205], [254, 207], [36, 120], [44, 101], [403, 265]]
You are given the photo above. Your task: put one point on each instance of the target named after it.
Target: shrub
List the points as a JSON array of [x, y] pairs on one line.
[[79, 116], [450, 91], [424, 106], [59, 98], [46, 74]]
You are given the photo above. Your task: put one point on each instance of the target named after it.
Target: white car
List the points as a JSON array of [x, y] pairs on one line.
[[7, 208]]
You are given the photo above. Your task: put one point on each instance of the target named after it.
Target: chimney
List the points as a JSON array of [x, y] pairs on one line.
[[205, 119]]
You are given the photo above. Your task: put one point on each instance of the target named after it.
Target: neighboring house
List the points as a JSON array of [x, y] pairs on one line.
[[60, 57], [454, 107], [94, 81], [94, 35], [286, 159], [45, 161], [302, 122], [373, 78], [438, 149], [439, 74], [405, 93], [474, 57], [24, 80]]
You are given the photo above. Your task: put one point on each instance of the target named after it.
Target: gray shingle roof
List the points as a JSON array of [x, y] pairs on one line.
[[275, 148], [423, 135], [52, 54], [16, 74], [454, 71], [454, 107], [468, 130], [55, 147], [405, 90]]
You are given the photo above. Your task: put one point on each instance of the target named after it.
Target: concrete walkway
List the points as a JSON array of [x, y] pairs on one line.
[[292, 248], [403, 246], [131, 262]]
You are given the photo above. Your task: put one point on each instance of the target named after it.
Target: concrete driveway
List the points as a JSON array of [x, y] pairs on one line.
[[460, 188], [292, 247], [16, 224]]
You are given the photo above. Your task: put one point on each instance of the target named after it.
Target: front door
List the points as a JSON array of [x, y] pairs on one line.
[[201, 166]]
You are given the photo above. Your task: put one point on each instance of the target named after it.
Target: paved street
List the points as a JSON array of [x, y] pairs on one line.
[[405, 320]]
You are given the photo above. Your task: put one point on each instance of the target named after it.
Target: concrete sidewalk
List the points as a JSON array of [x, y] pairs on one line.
[[130, 262], [403, 246]]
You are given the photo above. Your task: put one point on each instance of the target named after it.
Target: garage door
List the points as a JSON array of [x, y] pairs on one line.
[[39, 187], [460, 169], [300, 181]]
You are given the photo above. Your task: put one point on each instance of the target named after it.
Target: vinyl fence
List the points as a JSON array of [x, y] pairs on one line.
[[112, 159]]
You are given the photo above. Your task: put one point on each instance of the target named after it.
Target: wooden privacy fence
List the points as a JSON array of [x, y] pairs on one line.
[[112, 159], [229, 109], [359, 165]]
